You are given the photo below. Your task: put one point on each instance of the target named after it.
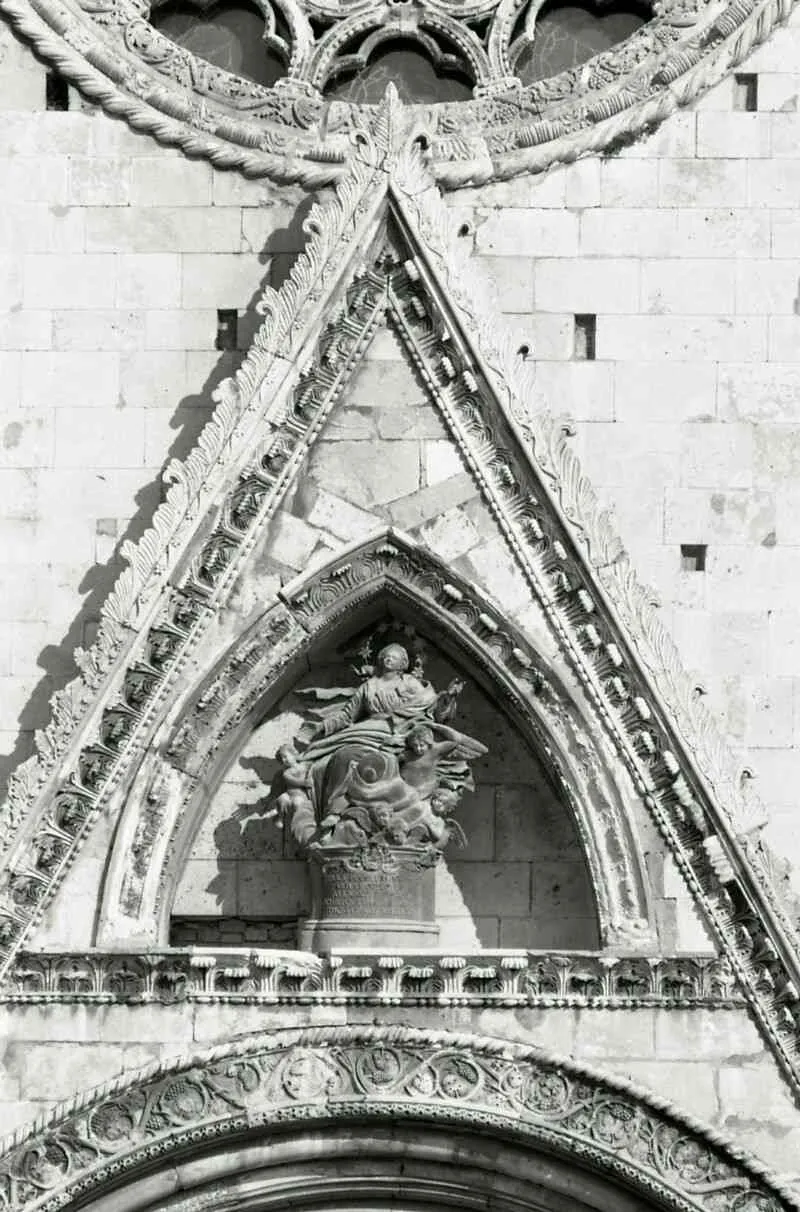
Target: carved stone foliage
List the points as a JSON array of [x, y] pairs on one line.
[[114, 54], [380, 1074], [292, 977]]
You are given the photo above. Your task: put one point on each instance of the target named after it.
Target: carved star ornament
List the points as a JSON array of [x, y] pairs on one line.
[[504, 86]]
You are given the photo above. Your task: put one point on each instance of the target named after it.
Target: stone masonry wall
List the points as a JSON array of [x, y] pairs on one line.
[[115, 255]]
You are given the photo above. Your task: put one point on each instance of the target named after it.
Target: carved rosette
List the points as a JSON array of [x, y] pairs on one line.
[[371, 896]]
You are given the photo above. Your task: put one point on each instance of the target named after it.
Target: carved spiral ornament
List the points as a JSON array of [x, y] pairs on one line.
[[297, 125]]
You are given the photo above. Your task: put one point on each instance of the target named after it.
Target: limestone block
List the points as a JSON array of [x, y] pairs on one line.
[[719, 97], [18, 1113], [420, 507], [785, 233], [787, 516], [234, 189], [36, 179], [784, 642], [587, 286], [778, 770], [783, 343], [56, 1071], [608, 1034], [716, 455], [691, 1085], [99, 181], [532, 823], [272, 229], [147, 278], [582, 183], [70, 379], [528, 233], [425, 422], [223, 1022], [781, 53], [165, 181], [220, 280], [688, 287], [670, 391], [738, 643], [31, 228], [737, 517], [702, 182], [82, 442], [751, 577], [641, 232], [776, 450], [160, 439], [451, 534], [760, 392], [582, 390], [512, 279], [776, 183], [476, 816], [389, 385], [771, 710], [10, 281], [22, 77], [493, 888], [685, 338], [352, 423], [561, 887], [98, 330], [495, 569], [70, 280], [737, 135], [691, 932], [778, 90], [11, 376], [338, 517], [542, 190], [291, 540], [152, 379], [466, 934], [441, 460], [180, 329], [551, 337], [706, 1034], [629, 182], [207, 886], [644, 456], [352, 471], [163, 229], [27, 437], [673, 137], [272, 888], [768, 287], [720, 232]]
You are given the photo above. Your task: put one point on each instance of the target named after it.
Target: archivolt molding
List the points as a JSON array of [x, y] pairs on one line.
[[290, 132], [394, 573], [602, 619], [584, 980], [378, 1076]]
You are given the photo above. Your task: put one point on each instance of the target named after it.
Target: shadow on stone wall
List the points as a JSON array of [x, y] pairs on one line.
[[191, 413]]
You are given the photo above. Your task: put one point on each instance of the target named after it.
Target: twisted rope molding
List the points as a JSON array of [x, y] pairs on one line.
[[407, 1074], [616, 97]]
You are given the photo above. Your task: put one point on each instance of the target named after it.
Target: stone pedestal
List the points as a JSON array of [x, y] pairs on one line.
[[371, 897]]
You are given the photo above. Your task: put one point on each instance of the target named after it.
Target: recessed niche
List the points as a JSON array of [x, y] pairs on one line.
[[56, 92], [693, 557], [585, 337], [745, 91]]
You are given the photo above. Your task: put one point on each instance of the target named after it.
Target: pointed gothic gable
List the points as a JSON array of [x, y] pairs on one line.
[[168, 609]]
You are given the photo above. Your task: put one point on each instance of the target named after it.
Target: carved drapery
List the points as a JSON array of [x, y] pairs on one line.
[[289, 132], [376, 1076]]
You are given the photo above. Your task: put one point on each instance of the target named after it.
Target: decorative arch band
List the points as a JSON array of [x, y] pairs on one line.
[[170, 1114]]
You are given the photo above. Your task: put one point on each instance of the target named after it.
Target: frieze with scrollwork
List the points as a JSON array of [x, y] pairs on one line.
[[375, 1074]]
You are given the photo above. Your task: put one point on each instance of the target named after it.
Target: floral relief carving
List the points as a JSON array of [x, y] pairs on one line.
[[377, 1073]]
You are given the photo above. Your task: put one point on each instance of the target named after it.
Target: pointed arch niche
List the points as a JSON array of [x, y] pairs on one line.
[[553, 858]]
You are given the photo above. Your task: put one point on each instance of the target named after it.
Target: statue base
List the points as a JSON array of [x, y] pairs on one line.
[[372, 897]]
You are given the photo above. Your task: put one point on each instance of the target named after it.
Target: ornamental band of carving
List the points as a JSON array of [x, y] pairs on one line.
[[396, 1074], [297, 978], [290, 132]]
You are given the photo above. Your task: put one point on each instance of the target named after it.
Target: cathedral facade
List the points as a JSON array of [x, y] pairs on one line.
[[399, 606]]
